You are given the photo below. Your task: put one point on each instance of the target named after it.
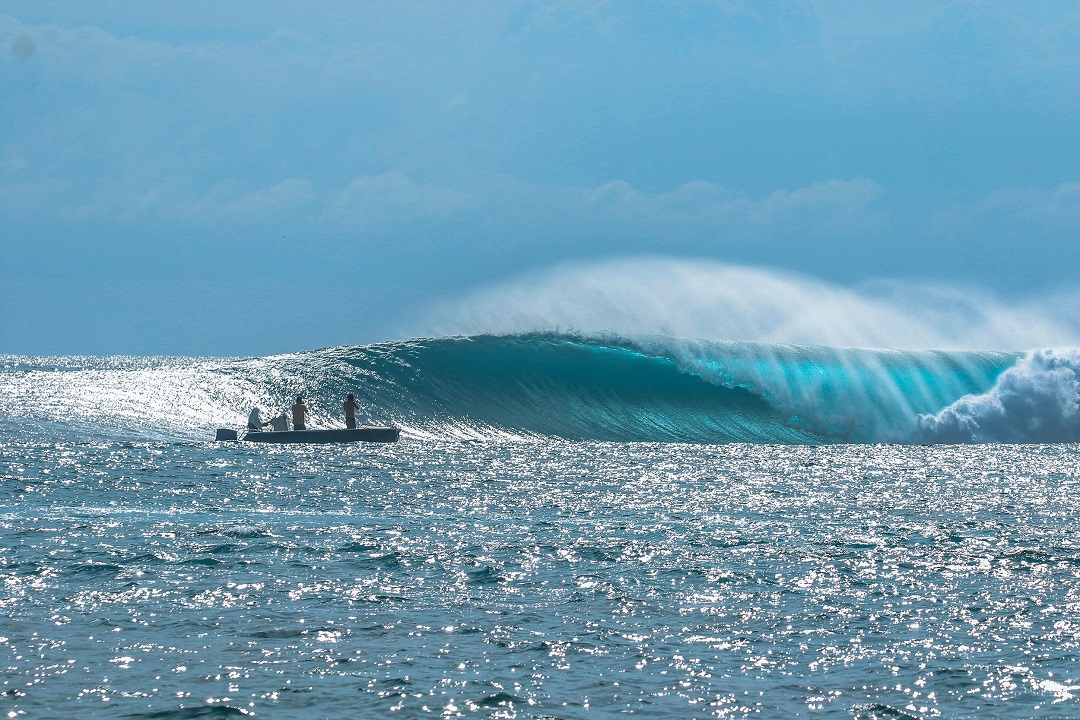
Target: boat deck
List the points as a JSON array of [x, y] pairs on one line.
[[360, 434]]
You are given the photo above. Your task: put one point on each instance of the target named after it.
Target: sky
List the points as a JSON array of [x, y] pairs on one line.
[[248, 178]]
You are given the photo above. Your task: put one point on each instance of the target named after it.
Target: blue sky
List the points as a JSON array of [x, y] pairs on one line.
[[249, 178]]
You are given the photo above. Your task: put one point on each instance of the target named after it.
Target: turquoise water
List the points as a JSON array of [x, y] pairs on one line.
[[544, 385], [537, 546]]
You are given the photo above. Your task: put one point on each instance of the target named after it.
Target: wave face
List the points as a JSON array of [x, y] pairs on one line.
[[555, 385]]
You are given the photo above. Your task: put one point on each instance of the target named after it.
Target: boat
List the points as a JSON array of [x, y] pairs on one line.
[[369, 433]]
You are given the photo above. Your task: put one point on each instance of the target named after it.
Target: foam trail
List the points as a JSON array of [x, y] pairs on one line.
[[706, 299], [1035, 401]]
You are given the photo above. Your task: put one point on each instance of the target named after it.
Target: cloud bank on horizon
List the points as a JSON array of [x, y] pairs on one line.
[[257, 177]]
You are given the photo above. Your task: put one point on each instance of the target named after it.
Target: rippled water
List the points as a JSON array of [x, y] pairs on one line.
[[542, 579]]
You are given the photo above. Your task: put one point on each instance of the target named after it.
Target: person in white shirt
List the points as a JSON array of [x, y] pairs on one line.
[[255, 421]]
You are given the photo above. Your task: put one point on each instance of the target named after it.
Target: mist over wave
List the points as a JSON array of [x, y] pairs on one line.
[[708, 299], [830, 392]]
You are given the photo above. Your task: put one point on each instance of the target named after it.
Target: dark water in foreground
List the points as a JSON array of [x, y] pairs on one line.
[[545, 579]]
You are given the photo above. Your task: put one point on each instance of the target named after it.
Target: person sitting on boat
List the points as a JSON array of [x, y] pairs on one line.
[[255, 421], [280, 423], [350, 406], [299, 414]]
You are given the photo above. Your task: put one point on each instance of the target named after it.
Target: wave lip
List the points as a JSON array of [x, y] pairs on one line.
[[560, 385], [580, 388]]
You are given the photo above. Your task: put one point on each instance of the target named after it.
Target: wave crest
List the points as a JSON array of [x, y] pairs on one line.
[[513, 386]]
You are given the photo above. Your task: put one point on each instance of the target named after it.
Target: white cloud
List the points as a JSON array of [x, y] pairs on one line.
[[1056, 208], [287, 195], [392, 197], [834, 206]]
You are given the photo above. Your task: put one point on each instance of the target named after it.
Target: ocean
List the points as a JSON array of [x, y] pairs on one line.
[[570, 527]]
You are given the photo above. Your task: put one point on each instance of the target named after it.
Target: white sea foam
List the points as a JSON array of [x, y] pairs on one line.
[[1036, 400]]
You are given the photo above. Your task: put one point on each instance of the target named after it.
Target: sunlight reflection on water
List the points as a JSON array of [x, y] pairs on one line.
[[540, 579]]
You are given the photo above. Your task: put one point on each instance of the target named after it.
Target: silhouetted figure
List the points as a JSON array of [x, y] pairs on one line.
[[299, 414], [255, 421], [350, 406]]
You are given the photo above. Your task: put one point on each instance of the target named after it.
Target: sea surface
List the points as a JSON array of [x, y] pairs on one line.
[[570, 527]]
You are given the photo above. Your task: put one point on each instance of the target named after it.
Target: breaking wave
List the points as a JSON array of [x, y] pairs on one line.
[[1035, 400], [568, 386]]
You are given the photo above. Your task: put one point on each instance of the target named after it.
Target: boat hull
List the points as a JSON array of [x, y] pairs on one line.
[[362, 434]]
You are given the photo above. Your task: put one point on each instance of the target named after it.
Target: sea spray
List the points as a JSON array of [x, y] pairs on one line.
[[1035, 401], [569, 386], [702, 298], [846, 394]]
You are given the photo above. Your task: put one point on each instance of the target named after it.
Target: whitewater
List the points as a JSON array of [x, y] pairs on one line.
[[573, 525], [571, 386]]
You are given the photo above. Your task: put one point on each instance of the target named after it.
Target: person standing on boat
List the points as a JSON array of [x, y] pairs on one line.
[[299, 414], [255, 421], [350, 406]]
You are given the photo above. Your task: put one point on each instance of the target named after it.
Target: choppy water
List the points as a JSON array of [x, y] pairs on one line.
[[543, 543], [571, 387], [537, 579]]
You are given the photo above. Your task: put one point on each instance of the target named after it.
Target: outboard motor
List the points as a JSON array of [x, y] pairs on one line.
[[226, 434]]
